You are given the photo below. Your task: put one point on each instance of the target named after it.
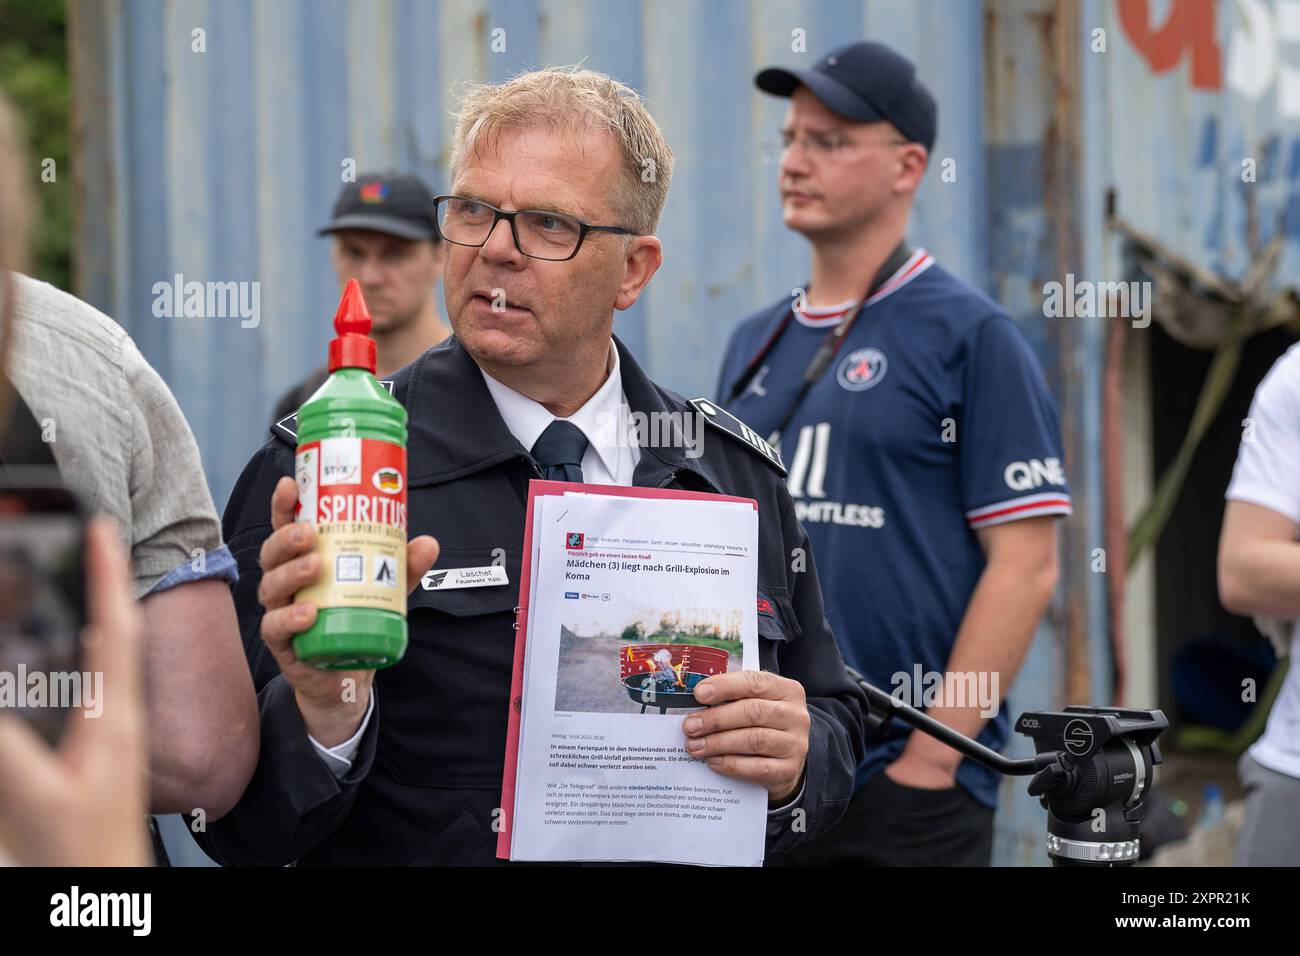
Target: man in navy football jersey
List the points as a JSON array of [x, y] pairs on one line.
[[923, 450]]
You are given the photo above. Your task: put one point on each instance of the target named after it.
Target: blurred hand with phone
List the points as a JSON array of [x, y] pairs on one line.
[[84, 803]]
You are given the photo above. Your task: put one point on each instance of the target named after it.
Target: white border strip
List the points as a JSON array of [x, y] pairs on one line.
[[1013, 509], [909, 270]]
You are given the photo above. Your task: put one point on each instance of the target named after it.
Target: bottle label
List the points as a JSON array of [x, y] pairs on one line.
[[354, 491]]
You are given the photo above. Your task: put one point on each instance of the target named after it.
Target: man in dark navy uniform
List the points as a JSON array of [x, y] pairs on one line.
[[549, 231]]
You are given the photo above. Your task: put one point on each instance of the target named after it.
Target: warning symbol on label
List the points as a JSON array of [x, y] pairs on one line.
[[347, 568], [385, 571]]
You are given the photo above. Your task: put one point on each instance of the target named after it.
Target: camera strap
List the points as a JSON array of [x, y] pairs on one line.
[[829, 346]]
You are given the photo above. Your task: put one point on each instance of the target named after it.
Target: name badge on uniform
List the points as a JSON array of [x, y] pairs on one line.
[[449, 578]]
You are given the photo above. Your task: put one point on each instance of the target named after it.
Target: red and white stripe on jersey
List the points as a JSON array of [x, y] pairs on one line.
[[916, 263], [823, 318], [1013, 509]]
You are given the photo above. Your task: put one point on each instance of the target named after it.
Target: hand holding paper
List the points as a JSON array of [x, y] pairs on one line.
[[755, 730], [631, 598]]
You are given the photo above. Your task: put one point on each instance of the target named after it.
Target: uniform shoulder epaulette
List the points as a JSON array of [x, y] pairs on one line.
[[723, 420], [286, 429]]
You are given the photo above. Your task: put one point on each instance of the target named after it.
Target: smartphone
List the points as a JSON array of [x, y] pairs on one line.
[[42, 601]]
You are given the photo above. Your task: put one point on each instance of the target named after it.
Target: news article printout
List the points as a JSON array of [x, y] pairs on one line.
[[632, 602]]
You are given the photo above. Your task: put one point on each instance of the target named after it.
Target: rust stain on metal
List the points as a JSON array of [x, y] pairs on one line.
[[1053, 57], [1058, 30], [1116, 530], [1078, 671]]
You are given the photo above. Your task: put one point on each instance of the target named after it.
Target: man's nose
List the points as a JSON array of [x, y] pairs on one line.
[[794, 161], [500, 244], [371, 271]]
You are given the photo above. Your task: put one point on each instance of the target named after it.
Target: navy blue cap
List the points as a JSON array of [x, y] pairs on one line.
[[867, 82], [397, 204]]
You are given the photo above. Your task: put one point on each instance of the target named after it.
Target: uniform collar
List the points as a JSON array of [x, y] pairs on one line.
[[527, 419], [456, 429]]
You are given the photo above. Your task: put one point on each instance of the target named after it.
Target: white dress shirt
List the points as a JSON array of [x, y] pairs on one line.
[[612, 452]]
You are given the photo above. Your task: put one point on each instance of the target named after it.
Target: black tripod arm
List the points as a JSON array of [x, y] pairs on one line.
[[884, 709]]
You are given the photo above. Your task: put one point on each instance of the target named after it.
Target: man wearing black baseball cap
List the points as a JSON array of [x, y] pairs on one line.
[[923, 450], [865, 82], [385, 237]]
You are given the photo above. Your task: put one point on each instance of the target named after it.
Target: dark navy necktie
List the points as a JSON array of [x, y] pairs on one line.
[[559, 451]]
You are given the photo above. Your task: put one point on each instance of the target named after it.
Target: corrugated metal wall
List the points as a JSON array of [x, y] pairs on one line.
[[1189, 92], [1196, 128], [219, 165]]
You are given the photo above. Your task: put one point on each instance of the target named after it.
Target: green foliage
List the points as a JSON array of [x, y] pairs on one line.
[[667, 633], [731, 646], [34, 76]]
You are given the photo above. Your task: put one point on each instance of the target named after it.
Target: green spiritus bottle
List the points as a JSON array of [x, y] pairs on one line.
[[351, 472]]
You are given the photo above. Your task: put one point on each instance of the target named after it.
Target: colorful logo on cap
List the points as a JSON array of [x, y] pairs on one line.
[[375, 192], [862, 369]]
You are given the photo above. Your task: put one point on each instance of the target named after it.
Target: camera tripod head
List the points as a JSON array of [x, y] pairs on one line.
[[1093, 789], [1091, 769]]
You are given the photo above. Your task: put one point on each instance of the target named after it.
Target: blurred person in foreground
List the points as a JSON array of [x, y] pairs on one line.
[[79, 397], [1259, 575], [85, 804]]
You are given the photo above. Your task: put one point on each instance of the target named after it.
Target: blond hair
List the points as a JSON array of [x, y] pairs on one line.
[[577, 100]]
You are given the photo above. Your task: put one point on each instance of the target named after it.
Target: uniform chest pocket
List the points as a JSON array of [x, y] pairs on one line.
[[440, 592], [776, 619]]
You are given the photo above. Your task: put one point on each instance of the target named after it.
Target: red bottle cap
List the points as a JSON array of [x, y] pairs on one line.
[[352, 347]]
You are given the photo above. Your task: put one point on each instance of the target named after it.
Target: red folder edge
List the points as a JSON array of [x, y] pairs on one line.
[[539, 488]]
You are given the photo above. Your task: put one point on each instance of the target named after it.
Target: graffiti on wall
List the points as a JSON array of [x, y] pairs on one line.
[[1243, 50], [1262, 45]]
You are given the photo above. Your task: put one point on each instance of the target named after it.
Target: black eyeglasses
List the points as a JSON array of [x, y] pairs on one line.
[[538, 234]]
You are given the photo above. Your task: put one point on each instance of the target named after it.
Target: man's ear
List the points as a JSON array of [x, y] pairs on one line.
[[912, 161], [645, 255]]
